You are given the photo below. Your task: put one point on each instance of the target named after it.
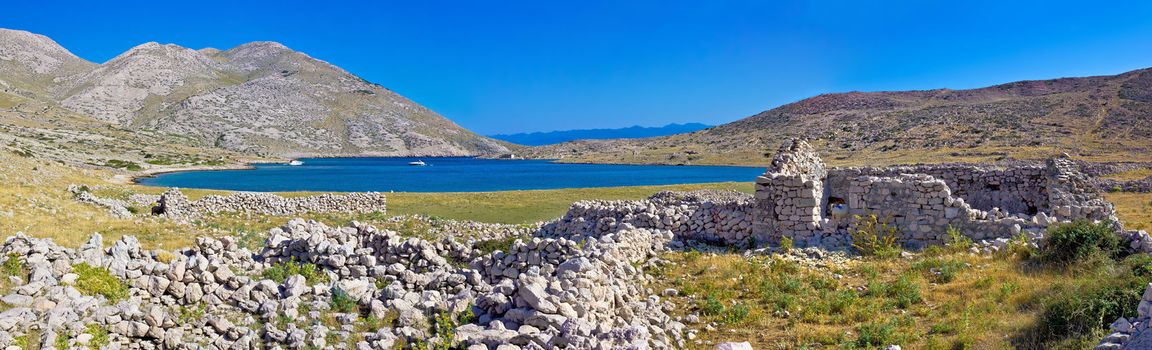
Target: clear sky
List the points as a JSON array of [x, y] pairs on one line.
[[511, 66]]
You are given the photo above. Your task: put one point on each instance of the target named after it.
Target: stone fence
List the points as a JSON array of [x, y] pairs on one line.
[[175, 204], [723, 217], [803, 200]]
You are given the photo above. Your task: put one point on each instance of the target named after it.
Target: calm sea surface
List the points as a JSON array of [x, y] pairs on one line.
[[445, 175]]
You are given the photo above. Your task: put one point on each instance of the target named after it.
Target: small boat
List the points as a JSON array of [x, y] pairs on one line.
[[417, 163], [296, 162]]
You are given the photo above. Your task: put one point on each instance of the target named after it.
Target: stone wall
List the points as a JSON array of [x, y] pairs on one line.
[[711, 216], [799, 198], [790, 195], [1073, 194], [1019, 189], [923, 208], [175, 204], [922, 201]]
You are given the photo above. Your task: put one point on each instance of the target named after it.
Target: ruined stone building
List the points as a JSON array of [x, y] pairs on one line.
[[800, 198]]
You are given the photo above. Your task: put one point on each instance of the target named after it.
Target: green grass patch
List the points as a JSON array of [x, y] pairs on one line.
[[1079, 242], [99, 336], [99, 281], [280, 272]]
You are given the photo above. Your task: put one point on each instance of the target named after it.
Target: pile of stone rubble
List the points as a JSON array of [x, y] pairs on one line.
[[537, 293]]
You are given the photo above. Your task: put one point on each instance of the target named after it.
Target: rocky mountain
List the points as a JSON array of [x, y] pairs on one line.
[[554, 137], [1096, 118], [258, 98], [30, 64]]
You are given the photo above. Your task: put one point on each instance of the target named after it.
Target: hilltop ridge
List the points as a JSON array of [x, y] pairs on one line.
[[1101, 118], [259, 98]]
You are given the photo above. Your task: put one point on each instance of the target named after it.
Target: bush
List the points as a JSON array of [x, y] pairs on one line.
[[99, 281], [281, 271], [957, 241], [492, 245], [712, 306], [1088, 309], [873, 237], [342, 302], [737, 313], [165, 256], [1080, 241], [13, 267], [786, 244]]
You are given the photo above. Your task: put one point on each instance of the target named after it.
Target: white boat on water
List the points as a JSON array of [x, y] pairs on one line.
[[417, 163], [296, 162]]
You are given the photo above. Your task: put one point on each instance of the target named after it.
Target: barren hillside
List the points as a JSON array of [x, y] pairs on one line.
[[1098, 118]]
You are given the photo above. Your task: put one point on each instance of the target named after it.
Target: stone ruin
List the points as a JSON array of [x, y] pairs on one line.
[[800, 198]]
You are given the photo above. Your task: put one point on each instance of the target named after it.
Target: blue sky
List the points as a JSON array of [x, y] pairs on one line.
[[512, 66]]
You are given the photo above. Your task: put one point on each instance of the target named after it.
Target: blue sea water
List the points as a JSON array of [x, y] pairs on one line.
[[444, 175]]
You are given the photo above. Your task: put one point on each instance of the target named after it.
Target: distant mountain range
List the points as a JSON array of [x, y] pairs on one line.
[[554, 137], [257, 98], [1103, 118]]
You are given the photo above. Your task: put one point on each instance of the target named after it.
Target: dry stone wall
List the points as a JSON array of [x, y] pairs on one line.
[[1019, 189], [175, 204], [923, 208], [789, 197], [723, 217], [799, 198]]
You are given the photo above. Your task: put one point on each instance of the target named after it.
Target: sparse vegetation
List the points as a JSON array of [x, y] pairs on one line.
[[874, 237], [341, 302], [282, 270], [99, 336], [99, 281]]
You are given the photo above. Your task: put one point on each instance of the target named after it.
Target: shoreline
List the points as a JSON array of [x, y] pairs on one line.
[[133, 179]]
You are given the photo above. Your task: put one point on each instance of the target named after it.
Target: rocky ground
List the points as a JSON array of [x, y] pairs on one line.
[[318, 286]]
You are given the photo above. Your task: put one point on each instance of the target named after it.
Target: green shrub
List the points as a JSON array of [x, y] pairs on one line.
[[1088, 309], [902, 293], [99, 281], [957, 241], [62, 340], [737, 313], [786, 244], [1139, 265], [444, 329], [1080, 241], [13, 267], [492, 245], [342, 302], [281, 271], [874, 237], [712, 306]]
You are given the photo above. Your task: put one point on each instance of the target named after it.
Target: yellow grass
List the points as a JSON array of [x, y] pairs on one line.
[[1134, 209], [1138, 174]]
